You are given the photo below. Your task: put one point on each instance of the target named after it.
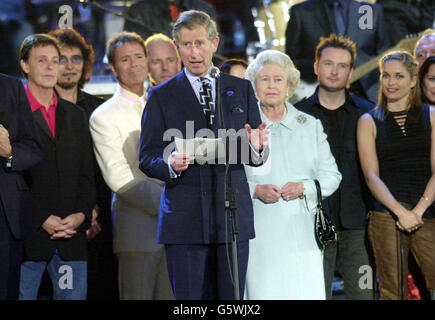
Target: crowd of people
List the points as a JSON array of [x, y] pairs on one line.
[[97, 194]]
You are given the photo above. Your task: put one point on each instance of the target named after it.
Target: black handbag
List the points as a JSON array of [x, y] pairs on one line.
[[325, 230]]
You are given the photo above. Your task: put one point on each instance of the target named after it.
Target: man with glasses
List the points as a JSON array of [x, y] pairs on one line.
[[75, 68]]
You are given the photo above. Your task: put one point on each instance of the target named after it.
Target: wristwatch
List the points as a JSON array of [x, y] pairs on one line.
[[8, 163]]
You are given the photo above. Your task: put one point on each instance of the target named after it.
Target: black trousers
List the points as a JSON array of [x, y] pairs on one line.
[[11, 255], [202, 272]]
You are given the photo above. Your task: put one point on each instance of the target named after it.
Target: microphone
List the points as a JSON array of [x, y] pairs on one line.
[[214, 72]]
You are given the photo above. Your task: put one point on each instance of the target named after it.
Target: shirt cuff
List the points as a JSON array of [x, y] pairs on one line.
[[172, 173], [257, 157]]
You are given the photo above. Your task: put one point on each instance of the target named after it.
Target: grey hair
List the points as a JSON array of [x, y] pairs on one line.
[[428, 33], [192, 19], [278, 58]]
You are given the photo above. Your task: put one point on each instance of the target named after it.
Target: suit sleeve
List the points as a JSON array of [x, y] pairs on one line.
[[127, 182], [26, 146], [152, 156], [86, 196], [326, 171]]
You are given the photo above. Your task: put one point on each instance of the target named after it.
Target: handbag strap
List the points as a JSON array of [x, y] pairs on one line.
[[319, 193]]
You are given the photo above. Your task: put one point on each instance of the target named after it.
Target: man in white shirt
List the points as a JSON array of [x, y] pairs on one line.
[[115, 128]]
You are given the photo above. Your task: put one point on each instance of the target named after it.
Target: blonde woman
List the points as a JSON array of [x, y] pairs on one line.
[[395, 144]]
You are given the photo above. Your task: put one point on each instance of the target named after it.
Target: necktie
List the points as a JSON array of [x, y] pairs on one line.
[[205, 99], [339, 20]]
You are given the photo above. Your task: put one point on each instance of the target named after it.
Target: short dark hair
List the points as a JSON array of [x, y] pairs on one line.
[[339, 42], [228, 64], [37, 40], [72, 38], [424, 69], [119, 39]]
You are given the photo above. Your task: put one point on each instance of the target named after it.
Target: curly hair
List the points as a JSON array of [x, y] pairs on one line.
[[72, 38]]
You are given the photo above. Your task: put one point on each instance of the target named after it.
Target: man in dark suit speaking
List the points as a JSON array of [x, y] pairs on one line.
[[19, 151], [192, 222]]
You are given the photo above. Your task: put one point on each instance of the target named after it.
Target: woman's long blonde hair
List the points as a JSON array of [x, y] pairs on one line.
[[411, 65]]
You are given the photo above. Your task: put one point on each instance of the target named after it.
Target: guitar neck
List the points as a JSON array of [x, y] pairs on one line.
[[365, 68], [405, 44]]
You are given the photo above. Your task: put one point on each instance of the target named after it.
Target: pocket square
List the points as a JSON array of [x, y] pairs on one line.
[[237, 110]]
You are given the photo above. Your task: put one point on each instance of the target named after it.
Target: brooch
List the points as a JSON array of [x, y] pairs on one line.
[[302, 119]]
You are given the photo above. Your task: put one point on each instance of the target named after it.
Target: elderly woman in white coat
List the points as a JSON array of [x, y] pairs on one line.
[[285, 261]]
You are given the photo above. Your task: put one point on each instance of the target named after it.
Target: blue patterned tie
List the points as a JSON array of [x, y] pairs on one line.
[[206, 100], [339, 19]]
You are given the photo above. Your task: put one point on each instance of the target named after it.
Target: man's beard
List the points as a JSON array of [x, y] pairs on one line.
[[67, 85], [331, 89]]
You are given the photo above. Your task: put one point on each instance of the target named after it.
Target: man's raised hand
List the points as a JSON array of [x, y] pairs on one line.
[[259, 138]]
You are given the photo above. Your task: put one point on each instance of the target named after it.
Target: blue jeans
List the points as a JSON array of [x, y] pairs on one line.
[[69, 278]]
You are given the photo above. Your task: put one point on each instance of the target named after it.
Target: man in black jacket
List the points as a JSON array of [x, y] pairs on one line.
[[63, 190], [19, 151], [76, 61], [338, 110]]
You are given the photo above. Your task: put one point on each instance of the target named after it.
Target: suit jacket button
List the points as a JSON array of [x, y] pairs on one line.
[[204, 193]]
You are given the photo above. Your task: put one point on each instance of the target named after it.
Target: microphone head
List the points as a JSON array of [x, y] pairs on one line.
[[214, 72]]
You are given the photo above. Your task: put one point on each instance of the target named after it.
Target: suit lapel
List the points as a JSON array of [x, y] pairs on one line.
[[128, 111], [352, 28], [40, 120], [61, 117], [227, 104], [189, 103], [327, 25]]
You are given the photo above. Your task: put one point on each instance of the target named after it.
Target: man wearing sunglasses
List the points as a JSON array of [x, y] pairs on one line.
[[75, 69]]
